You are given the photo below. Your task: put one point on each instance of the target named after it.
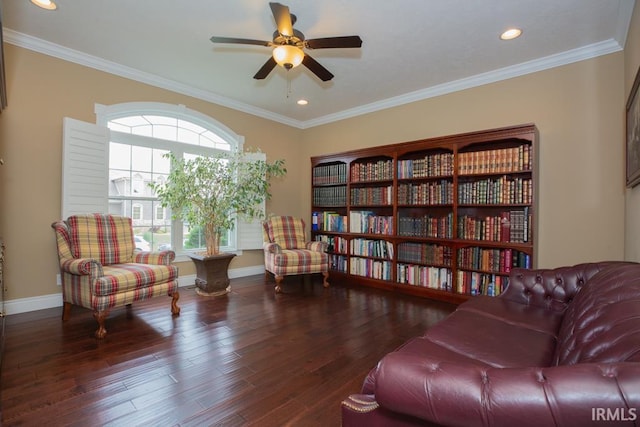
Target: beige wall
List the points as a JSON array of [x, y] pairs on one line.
[[42, 90], [577, 108], [632, 208]]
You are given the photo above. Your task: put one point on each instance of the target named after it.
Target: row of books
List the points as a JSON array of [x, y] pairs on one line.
[[440, 164], [372, 196], [330, 196], [330, 174], [338, 262], [369, 223], [509, 226], [427, 277], [372, 248], [373, 171], [328, 221], [367, 267], [513, 159], [502, 190], [427, 226], [431, 193], [335, 244], [424, 253], [493, 260], [474, 283]]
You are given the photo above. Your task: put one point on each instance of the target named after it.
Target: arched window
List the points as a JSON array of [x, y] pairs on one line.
[[140, 134]]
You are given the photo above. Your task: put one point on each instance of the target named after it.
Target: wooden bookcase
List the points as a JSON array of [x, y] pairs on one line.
[[444, 218]]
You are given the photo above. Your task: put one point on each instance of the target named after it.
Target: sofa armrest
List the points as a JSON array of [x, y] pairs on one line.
[[155, 258], [317, 246], [272, 248], [81, 266], [550, 288], [459, 394]]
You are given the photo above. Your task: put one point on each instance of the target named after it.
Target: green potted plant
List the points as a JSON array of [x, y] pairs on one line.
[[211, 192]]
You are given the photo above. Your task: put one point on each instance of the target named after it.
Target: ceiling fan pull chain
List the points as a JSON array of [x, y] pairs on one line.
[[288, 85]]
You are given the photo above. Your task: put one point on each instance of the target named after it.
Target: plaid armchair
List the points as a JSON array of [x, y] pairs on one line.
[[100, 268], [287, 253]]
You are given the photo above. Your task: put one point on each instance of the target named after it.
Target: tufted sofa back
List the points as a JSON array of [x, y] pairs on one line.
[[552, 289], [602, 324]]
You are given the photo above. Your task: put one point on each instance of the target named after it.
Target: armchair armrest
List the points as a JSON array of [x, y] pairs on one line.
[[272, 248], [81, 266], [317, 246], [459, 394], [155, 258]]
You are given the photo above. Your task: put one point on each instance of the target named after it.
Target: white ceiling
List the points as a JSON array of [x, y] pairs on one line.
[[412, 49]]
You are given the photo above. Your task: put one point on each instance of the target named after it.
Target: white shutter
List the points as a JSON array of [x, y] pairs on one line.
[[85, 168], [250, 233]]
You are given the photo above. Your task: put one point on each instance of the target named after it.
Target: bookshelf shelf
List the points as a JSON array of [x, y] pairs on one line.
[[444, 218]]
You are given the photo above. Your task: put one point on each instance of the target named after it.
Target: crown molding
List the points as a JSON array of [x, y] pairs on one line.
[[540, 64], [51, 49], [545, 63]]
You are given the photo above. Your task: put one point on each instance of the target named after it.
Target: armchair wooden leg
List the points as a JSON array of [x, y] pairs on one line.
[[278, 282], [175, 310], [325, 276], [100, 316], [66, 310]]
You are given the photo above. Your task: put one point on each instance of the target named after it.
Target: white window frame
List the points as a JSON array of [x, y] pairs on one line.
[[246, 235], [105, 114]]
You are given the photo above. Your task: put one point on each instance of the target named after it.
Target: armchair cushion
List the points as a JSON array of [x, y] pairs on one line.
[[286, 231], [125, 277], [106, 238]]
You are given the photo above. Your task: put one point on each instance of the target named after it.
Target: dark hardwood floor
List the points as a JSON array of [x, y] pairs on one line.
[[249, 358]]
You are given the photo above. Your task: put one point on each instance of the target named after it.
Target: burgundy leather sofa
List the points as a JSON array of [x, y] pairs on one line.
[[559, 347]]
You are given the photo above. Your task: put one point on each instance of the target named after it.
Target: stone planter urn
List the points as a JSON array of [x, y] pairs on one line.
[[212, 278]]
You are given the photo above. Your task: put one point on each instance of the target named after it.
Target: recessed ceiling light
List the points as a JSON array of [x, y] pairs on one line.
[[45, 4], [302, 102], [511, 34]]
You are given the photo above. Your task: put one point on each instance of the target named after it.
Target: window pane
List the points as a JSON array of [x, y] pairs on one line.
[[161, 120], [119, 156], [131, 121], [119, 127], [119, 183], [165, 132], [160, 163], [146, 130], [188, 136], [141, 158]]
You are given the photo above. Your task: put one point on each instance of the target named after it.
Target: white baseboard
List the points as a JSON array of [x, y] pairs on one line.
[[24, 305]]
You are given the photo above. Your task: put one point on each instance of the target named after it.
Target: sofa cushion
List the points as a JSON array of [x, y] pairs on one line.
[[105, 238], [522, 315], [492, 341], [602, 324]]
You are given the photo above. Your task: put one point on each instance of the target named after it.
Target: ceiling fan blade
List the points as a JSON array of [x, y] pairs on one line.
[[317, 69], [234, 40], [265, 69], [283, 18], [334, 42]]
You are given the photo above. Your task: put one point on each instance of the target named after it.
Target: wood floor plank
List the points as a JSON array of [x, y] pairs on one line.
[[250, 358]]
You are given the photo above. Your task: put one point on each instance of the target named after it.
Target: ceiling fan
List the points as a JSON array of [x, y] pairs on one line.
[[288, 44]]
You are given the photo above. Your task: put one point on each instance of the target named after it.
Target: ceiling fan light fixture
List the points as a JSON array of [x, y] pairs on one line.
[[288, 56], [45, 4]]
